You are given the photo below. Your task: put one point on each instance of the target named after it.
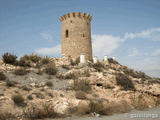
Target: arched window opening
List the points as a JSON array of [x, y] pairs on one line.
[[67, 34]]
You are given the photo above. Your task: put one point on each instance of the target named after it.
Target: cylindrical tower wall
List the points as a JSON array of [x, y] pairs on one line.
[[76, 35]]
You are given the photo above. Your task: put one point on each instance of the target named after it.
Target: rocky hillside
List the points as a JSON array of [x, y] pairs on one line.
[[36, 87]]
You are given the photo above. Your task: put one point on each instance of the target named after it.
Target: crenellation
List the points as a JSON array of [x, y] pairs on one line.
[[76, 14]]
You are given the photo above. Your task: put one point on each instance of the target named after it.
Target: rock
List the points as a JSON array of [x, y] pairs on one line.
[[83, 107], [33, 84], [61, 105]]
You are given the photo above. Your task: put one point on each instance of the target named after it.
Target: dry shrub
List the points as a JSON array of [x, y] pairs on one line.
[[158, 101], [49, 83], [139, 102], [80, 95], [29, 97], [7, 116], [51, 69], [20, 71], [114, 107], [70, 76], [10, 83], [39, 95], [45, 60], [112, 61], [86, 73], [72, 110], [2, 76], [66, 67], [82, 85], [98, 66], [96, 106], [45, 111], [135, 74], [125, 82], [75, 62], [18, 100]]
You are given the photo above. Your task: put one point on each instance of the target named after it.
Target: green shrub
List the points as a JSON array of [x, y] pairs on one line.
[[124, 81], [82, 85], [80, 95], [20, 71], [33, 57], [2, 76], [45, 60], [18, 100], [98, 66], [9, 58], [24, 63], [96, 107], [26, 60], [49, 84]]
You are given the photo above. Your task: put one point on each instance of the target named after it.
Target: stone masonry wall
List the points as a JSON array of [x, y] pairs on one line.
[[77, 40]]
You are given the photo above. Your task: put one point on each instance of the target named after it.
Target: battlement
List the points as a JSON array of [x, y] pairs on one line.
[[76, 14]]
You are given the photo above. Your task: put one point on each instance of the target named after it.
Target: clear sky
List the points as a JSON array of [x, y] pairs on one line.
[[126, 29]]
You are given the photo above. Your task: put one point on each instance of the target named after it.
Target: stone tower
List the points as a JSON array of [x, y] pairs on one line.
[[76, 35]]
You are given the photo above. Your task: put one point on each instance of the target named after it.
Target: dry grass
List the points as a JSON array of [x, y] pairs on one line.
[[7, 116], [51, 69], [82, 85], [20, 71], [113, 107], [86, 73], [80, 95], [96, 106], [44, 111], [139, 102]]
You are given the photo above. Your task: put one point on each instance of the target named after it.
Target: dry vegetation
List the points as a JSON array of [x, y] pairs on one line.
[[45, 89]]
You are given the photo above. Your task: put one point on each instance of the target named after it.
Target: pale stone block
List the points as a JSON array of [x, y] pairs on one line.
[[95, 59], [82, 59]]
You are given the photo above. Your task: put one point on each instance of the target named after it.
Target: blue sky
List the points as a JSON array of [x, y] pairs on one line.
[[126, 29]]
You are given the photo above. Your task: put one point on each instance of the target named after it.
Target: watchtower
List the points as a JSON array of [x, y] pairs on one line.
[[76, 35]]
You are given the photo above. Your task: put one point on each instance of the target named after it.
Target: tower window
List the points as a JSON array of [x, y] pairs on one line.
[[83, 35], [67, 34]]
